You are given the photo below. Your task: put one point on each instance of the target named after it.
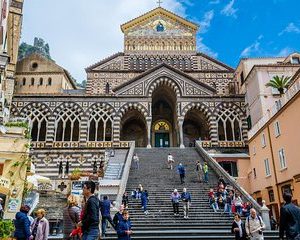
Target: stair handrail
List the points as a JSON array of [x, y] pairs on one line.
[[213, 164], [125, 174]]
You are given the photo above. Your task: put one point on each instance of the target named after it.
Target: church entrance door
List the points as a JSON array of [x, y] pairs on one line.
[[162, 140], [161, 134]]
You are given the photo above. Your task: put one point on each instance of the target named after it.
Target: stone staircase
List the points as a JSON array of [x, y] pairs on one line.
[[160, 223]]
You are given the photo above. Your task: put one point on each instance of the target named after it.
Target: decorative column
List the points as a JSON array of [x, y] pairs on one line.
[[149, 121], [265, 215], [180, 123]]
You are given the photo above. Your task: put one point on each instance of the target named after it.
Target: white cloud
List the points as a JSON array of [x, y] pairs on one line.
[[205, 49], [229, 10], [205, 22], [253, 48], [214, 2], [82, 32], [290, 28]]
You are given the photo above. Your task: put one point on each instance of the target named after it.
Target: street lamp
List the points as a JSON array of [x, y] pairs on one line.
[[4, 58]]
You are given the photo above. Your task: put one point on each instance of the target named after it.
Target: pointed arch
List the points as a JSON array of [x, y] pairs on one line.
[[38, 115], [67, 121], [100, 122]]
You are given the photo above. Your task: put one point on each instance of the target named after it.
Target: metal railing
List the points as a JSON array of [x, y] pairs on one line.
[[125, 173], [216, 167]]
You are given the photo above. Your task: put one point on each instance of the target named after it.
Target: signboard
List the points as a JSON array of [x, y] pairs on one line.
[[4, 182], [4, 185], [13, 205]]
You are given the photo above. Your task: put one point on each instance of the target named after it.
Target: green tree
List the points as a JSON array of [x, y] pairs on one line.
[[280, 83]]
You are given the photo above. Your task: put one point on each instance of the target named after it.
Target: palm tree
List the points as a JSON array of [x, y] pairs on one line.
[[280, 83]]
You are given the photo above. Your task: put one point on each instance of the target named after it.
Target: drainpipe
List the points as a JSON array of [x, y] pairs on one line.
[[274, 168]]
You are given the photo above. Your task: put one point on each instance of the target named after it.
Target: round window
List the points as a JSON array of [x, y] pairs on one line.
[[34, 65]]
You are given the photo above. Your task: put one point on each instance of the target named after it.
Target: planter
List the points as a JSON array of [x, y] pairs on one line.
[[74, 177]]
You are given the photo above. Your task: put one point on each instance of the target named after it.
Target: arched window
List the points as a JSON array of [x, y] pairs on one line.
[[24, 81], [41, 81], [67, 125], [38, 120], [229, 125], [32, 82], [49, 81], [100, 125], [107, 88]]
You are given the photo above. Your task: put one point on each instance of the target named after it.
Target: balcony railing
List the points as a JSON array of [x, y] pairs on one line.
[[98, 145], [280, 103]]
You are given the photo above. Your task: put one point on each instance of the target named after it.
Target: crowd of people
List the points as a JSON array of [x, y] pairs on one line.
[[82, 220], [225, 198]]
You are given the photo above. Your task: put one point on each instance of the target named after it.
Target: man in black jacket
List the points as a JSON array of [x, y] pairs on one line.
[[289, 219], [90, 219]]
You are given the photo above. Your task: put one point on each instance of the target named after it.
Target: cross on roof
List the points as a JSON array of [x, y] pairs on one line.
[[159, 2]]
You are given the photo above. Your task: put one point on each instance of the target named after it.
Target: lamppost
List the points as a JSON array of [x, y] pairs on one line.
[[4, 58]]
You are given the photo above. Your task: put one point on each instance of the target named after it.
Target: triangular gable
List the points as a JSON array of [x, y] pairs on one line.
[[155, 12], [208, 63], [108, 63], [187, 85]]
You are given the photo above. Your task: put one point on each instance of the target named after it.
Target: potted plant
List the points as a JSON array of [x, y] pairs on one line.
[[6, 229], [75, 174]]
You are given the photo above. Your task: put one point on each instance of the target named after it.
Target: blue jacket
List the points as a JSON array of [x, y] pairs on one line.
[[121, 228], [289, 221], [22, 225], [144, 198], [90, 219], [105, 208], [181, 169], [186, 197]]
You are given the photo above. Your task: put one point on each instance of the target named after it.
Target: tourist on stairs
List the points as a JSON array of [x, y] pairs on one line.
[[255, 226], [175, 196], [205, 171], [144, 201], [238, 228], [181, 171], [199, 171], [118, 216], [136, 161], [90, 218], [105, 213], [170, 161], [124, 227], [186, 201]]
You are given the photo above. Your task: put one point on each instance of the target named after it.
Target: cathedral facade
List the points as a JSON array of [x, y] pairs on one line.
[[159, 92]]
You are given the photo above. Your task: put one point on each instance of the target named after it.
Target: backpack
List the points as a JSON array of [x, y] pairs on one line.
[[259, 218]]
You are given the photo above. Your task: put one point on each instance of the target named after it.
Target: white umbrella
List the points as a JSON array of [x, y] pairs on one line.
[[36, 179]]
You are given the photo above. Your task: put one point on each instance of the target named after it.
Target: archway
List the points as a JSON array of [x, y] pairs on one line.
[[134, 128], [164, 117], [195, 127]]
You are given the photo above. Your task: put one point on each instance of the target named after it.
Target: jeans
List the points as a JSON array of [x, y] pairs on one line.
[[239, 210], [182, 178], [227, 208], [104, 223], [206, 177], [91, 234], [176, 208], [215, 206]]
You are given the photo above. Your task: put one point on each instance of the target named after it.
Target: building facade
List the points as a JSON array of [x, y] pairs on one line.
[[273, 135], [159, 92]]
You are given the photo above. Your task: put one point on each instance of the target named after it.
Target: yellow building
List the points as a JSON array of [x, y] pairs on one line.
[[13, 167], [37, 74], [274, 154]]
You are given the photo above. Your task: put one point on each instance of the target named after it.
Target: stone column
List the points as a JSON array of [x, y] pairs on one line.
[[180, 123], [149, 121], [265, 215]]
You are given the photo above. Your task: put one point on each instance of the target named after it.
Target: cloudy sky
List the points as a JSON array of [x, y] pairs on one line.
[[82, 32]]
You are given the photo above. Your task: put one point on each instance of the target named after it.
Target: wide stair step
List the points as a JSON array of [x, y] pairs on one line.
[[159, 181]]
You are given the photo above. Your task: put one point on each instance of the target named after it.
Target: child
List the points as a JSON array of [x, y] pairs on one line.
[[78, 231]]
